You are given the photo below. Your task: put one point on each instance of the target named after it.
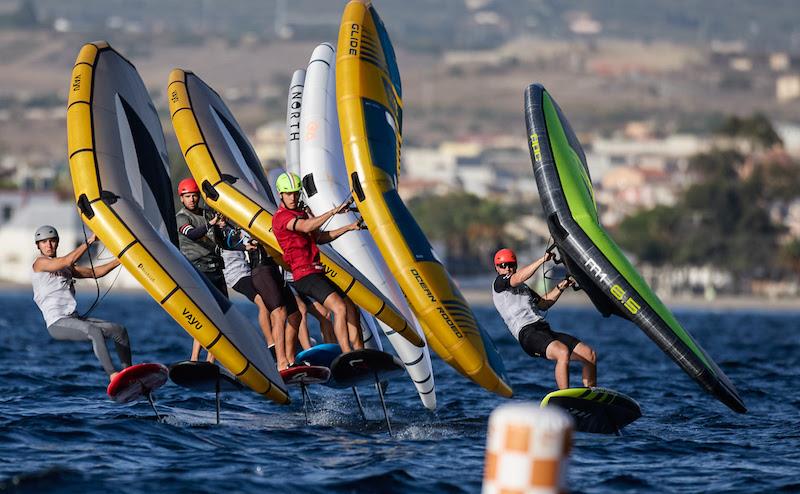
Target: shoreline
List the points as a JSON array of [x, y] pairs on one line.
[[573, 299], [684, 302]]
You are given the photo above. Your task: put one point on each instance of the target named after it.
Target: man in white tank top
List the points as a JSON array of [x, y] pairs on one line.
[[54, 293], [519, 307]]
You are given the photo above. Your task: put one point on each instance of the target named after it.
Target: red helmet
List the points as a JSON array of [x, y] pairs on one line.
[[187, 185], [504, 255]]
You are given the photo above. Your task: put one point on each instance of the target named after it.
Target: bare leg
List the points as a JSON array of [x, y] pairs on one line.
[[323, 315], [195, 351], [336, 304], [279, 337], [586, 356], [294, 321], [278, 317], [264, 320], [558, 351], [302, 321], [354, 325]]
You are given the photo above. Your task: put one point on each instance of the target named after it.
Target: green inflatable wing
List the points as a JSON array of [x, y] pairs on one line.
[[592, 257]]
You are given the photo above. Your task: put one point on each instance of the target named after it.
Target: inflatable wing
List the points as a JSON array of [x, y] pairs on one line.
[[325, 185], [293, 108], [370, 119], [120, 173], [592, 257]]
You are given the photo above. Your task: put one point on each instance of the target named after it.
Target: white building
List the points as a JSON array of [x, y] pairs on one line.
[[477, 178], [471, 167], [787, 87], [629, 151], [790, 135], [27, 211], [429, 164]]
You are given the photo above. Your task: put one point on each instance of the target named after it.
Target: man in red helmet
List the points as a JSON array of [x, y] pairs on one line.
[[200, 234], [199, 239], [520, 308]]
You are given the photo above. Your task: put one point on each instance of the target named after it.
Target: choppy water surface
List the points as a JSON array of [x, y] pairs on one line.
[[59, 431]]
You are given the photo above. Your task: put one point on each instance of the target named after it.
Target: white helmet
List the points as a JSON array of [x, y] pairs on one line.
[[45, 232]]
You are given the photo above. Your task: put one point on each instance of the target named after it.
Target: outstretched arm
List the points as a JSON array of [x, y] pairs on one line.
[[325, 237], [44, 264], [524, 274], [309, 225], [99, 271], [550, 297]]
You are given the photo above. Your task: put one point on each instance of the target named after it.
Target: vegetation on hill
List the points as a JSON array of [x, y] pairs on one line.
[[469, 229], [724, 218]]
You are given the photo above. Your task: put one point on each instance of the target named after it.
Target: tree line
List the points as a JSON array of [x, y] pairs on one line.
[[729, 216]]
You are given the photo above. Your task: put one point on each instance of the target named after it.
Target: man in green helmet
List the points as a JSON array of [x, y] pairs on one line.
[[298, 234]]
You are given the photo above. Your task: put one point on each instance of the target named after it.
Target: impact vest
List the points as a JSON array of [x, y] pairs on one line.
[[203, 253], [516, 305]]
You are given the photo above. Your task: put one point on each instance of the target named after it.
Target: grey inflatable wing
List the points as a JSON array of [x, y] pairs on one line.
[[120, 173]]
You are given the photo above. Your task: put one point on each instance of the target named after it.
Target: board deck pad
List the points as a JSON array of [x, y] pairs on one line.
[[322, 355], [305, 375], [596, 410], [203, 376], [136, 381], [360, 367]]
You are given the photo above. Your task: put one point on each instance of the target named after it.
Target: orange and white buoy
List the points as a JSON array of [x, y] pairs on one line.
[[526, 450]]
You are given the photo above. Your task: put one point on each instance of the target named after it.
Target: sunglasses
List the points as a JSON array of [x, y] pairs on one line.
[[506, 265]]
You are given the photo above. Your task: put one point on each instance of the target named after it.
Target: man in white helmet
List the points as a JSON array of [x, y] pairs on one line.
[[54, 293]]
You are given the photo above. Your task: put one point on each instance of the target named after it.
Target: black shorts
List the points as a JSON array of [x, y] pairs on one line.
[[304, 299], [534, 339], [316, 286], [269, 283], [246, 288]]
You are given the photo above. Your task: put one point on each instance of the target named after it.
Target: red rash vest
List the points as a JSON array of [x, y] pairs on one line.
[[299, 249]]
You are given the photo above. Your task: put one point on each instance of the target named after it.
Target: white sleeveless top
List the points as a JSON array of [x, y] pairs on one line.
[[516, 304], [236, 266], [54, 293]]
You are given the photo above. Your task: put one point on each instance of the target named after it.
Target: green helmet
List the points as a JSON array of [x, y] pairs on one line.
[[288, 182]]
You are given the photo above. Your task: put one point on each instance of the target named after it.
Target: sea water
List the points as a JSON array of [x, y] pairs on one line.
[[59, 432]]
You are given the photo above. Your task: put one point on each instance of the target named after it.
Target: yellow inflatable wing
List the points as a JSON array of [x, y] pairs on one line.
[[370, 118], [120, 173], [232, 182]]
